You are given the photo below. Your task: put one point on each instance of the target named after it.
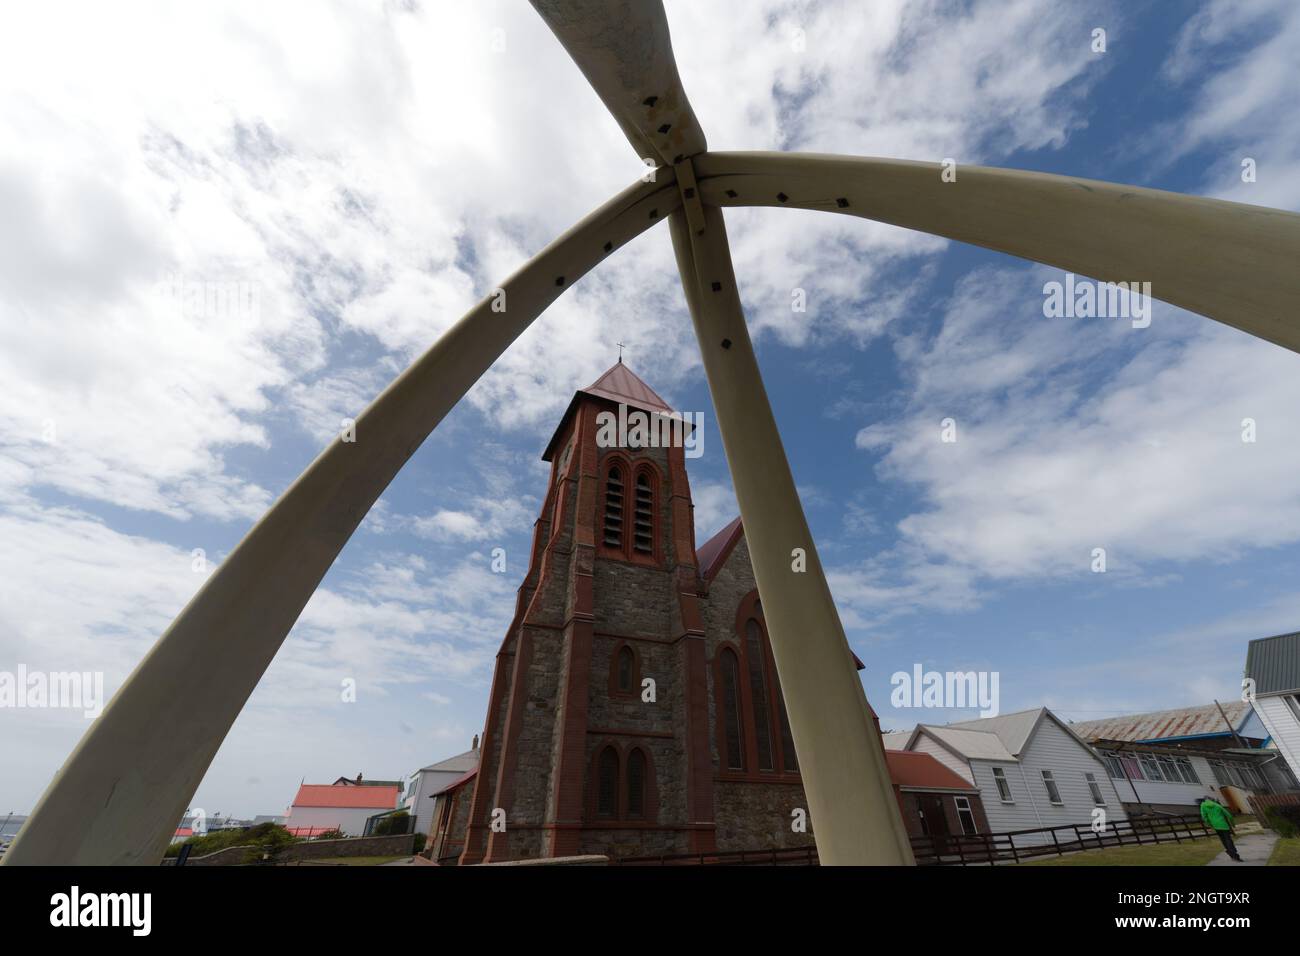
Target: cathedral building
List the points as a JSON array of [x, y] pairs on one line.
[[635, 707]]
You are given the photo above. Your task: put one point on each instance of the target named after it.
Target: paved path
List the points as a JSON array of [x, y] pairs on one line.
[[1253, 848]]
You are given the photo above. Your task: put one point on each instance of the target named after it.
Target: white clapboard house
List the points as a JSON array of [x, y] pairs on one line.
[[1031, 769], [1273, 673]]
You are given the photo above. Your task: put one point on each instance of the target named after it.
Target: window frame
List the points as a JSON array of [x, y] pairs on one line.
[[969, 811], [771, 704], [1098, 799], [1050, 785], [1003, 783]]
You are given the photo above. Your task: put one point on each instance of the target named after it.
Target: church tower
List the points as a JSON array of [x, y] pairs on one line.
[[635, 707]]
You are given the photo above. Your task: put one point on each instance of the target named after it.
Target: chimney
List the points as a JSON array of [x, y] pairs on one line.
[[358, 778], [474, 745]]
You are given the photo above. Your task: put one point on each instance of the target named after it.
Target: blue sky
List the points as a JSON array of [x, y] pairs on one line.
[[371, 174]]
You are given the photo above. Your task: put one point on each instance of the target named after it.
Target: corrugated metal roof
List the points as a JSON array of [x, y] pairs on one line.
[[1012, 729], [457, 764], [1166, 724], [1274, 663], [972, 744]]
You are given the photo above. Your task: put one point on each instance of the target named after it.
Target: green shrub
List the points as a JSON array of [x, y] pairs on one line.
[[419, 843], [265, 837]]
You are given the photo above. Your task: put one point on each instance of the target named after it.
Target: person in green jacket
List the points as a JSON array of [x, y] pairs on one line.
[[1217, 817]]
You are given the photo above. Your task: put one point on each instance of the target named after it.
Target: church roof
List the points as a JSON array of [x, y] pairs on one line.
[[620, 385], [713, 554]]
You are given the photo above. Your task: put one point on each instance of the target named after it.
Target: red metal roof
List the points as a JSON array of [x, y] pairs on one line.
[[713, 554], [621, 386], [326, 795], [909, 768]]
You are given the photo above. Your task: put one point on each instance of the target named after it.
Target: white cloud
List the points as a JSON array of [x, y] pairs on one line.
[[1073, 435]]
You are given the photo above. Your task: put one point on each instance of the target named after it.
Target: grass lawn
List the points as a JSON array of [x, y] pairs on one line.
[[1195, 853], [1286, 853]]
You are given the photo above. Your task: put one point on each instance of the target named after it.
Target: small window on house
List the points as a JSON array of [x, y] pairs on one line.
[[613, 524], [626, 664], [607, 784], [636, 785], [1169, 769], [966, 816], [1004, 787], [1220, 773], [733, 758], [1095, 789], [1187, 771], [758, 693], [644, 534], [1053, 794]]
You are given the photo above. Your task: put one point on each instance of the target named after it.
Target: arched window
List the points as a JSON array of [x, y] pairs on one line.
[[607, 784], [757, 661], [636, 779], [623, 679], [643, 539], [613, 524], [733, 757]]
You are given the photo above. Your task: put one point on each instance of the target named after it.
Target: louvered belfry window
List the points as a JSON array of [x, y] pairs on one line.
[[734, 758], [614, 508], [636, 785], [758, 693], [607, 784], [644, 537]]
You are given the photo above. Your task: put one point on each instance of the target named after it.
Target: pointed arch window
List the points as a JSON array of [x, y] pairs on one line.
[[753, 726], [758, 693], [643, 539], [624, 672], [622, 786], [733, 756], [613, 517]]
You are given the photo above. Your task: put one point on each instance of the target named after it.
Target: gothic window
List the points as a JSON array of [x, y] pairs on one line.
[[733, 758], [607, 784], [644, 530], [788, 758], [613, 523], [758, 693], [624, 677], [636, 785], [753, 723]]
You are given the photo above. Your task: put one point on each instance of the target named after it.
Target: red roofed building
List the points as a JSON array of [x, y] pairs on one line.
[[344, 806], [935, 801]]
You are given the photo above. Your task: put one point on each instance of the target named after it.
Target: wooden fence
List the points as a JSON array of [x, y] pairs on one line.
[[1017, 845], [978, 849]]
